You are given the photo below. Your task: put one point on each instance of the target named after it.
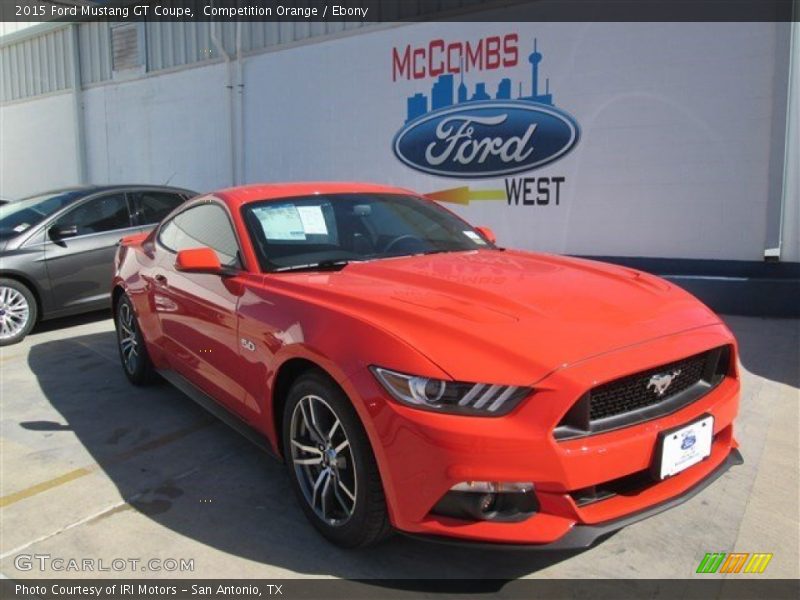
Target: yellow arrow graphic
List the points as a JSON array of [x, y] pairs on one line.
[[464, 195]]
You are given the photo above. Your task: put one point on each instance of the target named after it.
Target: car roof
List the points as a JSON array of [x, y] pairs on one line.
[[246, 194], [85, 190]]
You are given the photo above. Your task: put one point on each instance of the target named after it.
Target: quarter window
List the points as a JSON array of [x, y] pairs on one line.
[[206, 225], [105, 213]]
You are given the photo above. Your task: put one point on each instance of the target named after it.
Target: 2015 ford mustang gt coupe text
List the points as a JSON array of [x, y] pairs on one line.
[[415, 376]]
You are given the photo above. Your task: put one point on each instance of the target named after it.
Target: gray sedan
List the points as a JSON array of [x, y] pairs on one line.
[[57, 249]]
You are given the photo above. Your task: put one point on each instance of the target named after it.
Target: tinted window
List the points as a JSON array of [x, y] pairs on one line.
[[17, 217], [105, 213], [206, 225], [152, 207], [351, 227]]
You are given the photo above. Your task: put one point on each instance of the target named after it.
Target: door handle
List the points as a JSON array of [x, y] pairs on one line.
[[160, 279]]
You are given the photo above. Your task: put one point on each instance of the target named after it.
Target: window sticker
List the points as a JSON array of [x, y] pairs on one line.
[[475, 237], [313, 220], [21, 227], [281, 222]]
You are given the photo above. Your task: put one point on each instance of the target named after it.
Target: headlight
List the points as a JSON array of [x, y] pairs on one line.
[[451, 396]]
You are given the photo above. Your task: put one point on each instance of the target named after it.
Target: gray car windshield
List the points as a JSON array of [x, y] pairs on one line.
[[328, 231], [18, 217]]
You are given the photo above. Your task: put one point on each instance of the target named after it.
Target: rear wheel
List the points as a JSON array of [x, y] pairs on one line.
[[331, 465], [17, 311], [132, 350]]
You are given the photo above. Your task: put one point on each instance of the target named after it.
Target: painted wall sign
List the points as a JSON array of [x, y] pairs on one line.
[[474, 135], [486, 139]]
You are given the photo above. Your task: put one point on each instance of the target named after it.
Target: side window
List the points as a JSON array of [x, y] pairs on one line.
[[204, 225], [105, 213], [150, 208]]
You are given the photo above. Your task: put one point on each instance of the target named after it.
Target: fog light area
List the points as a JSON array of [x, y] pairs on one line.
[[489, 501]]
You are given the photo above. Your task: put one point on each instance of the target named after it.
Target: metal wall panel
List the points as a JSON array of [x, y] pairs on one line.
[[174, 44], [263, 35], [37, 65], [95, 52], [41, 64]]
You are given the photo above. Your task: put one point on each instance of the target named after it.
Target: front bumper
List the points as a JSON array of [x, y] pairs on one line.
[[583, 536], [421, 454]]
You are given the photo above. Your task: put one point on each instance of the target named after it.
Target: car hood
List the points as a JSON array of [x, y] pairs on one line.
[[506, 316]]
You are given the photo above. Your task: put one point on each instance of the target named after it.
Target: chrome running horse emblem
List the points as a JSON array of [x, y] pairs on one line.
[[661, 382]]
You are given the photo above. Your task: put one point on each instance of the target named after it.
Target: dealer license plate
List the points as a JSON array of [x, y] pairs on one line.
[[686, 446]]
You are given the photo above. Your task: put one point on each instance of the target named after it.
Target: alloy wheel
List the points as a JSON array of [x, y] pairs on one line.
[[128, 339], [14, 312], [323, 460]]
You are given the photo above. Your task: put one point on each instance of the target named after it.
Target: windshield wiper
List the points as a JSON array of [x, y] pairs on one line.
[[323, 265], [443, 251]]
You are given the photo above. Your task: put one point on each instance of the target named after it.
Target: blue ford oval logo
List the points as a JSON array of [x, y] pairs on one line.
[[688, 442], [486, 139]]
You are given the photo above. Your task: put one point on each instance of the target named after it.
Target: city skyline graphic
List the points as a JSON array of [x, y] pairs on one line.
[[444, 92]]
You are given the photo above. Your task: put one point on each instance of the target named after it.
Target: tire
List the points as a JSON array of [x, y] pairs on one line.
[[354, 508], [132, 350], [18, 311]]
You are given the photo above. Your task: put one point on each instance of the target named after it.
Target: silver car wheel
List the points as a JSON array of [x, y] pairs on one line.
[[128, 340], [14, 312], [323, 460]]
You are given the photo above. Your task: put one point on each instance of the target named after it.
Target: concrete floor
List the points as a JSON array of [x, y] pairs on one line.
[[95, 468]]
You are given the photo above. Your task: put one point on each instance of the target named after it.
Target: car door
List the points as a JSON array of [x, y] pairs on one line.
[[198, 311], [79, 251], [150, 207]]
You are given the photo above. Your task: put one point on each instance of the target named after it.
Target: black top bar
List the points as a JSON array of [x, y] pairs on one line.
[[379, 11]]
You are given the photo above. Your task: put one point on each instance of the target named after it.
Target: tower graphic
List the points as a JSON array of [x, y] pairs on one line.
[[535, 58], [462, 89], [443, 90]]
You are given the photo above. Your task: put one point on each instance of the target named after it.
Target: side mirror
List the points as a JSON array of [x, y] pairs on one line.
[[487, 234], [58, 232], [198, 260]]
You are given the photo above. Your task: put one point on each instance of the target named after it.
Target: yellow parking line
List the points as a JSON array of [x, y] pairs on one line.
[[117, 458], [45, 485]]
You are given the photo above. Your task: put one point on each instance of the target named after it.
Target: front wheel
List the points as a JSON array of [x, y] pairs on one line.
[[17, 311], [132, 351], [331, 465]]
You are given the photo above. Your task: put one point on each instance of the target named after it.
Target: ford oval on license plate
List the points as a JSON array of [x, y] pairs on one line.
[[685, 446]]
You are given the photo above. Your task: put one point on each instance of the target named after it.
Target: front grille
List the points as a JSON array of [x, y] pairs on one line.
[[637, 391], [645, 395]]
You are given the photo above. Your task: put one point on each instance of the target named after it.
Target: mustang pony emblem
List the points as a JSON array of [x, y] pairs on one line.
[[662, 381]]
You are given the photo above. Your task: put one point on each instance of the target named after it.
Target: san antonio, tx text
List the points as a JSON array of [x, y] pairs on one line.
[[159, 10]]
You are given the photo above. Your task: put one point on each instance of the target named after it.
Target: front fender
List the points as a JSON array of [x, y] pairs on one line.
[[283, 328]]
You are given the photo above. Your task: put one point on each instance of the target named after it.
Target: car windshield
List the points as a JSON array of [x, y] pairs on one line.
[[18, 217], [331, 230]]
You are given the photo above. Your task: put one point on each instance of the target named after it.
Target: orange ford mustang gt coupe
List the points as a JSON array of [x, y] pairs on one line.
[[415, 376]]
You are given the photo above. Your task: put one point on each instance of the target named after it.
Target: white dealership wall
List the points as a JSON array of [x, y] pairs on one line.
[[677, 131], [791, 189], [37, 145], [169, 128], [675, 119]]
